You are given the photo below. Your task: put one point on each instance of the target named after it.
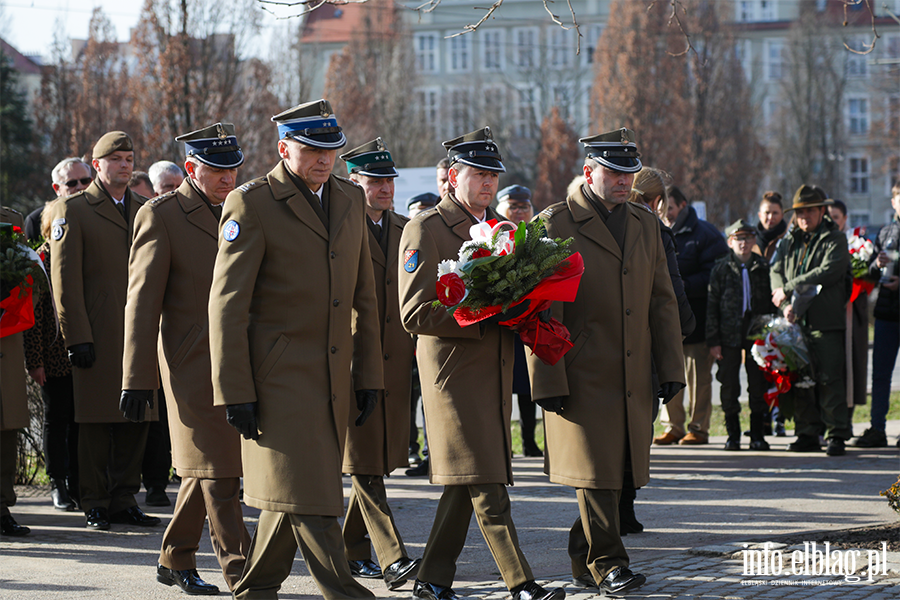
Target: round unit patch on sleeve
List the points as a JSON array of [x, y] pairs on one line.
[[231, 231], [57, 232], [411, 260]]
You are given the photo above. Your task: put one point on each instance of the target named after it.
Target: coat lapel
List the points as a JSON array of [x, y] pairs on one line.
[[374, 247], [103, 204], [340, 205], [592, 226], [284, 189], [195, 209], [632, 232], [456, 218]]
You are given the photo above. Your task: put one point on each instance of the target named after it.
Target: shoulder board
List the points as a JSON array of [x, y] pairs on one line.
[[427, 213], [252, 184], [347, 180], [74, 196], [403, 220], [163, 198], [640, 205], [553, 209]]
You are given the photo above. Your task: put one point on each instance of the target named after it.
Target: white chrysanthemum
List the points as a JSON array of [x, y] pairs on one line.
[[448, 266], [467, 248]]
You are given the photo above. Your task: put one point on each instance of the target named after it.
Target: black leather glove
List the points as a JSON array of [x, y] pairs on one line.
[[365, 402], [514, 311], [243, 418], [545, 315], [82, 355], [668, 390], [133, 403], [552, 404]]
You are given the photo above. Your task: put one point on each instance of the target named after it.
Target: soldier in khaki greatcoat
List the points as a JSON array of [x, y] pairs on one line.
[[466, 375], [381, 446], [598, 401], [292, 281], [170, 274], [13, 409], [90, 241]]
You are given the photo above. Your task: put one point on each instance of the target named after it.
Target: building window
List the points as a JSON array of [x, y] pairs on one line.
[[460, 112], [494, 103], [526, 113], [856, 64], [426, 52], [858, 116], [590, 42], [859, 175], [770, 112], [857, 219], [492, 49], [757, 10], [526, 46], [766, 10], [428, 103], [562, 54], [458, 61], [774, 59]]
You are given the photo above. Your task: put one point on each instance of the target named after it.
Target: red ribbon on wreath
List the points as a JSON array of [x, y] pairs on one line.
[[18, 310], [782, 383]]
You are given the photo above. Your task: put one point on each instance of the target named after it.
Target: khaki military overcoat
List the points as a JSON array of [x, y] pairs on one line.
[[13, 391], [90, 243], [625, 314], [382, 443], [465, 372], [167, 323], [286, 291]]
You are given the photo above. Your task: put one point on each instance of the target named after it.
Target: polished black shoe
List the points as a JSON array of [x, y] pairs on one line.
[[366, 569], [97, 518], [759, 445], [188, 580], [398, 573], [621, 580], [585, 582], [872, 438], [805, 443], [8, 526], [420, 470], [432, 591], [134, 516], [733, 444], [532, 451], [60, 495], [532, 591], [628, 523], [835, 447], [157, 497]]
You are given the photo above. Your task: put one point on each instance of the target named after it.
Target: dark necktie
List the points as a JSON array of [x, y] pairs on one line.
[[377, 229], [121, 207]]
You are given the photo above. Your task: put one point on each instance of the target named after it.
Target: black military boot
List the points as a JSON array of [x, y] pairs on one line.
[[733, 426], [60, 495], [757, 429]]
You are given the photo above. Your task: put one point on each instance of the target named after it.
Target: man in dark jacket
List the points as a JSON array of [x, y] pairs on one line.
[[699, 244], [886, 268], [815, 254]]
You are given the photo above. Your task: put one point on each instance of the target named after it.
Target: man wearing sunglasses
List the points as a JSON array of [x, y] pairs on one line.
[[70, 176]]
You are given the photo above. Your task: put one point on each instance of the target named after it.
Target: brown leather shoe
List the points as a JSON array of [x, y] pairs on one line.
[[667, 439], [694, 438]]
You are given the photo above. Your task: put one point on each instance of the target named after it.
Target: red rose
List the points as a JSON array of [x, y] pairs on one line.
[[450, 289], [481, 253], [17, 229]]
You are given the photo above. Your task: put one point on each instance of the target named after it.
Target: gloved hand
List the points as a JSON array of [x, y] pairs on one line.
[[552, 404], [82, 355], [132, 403], [514, 311], [545, 315], [243, 418], [668, 390], [365, 402]]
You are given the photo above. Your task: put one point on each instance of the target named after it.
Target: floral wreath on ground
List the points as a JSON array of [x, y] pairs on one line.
[[781, 352]]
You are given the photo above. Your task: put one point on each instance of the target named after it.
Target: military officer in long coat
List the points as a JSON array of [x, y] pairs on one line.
[[13, 408], [381, 445], [292, 281], [598, 401], [90, 242], [170, 273], [466, 375]]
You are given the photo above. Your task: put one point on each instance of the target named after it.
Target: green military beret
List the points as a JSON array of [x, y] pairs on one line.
[[740, 226], [112, 142]]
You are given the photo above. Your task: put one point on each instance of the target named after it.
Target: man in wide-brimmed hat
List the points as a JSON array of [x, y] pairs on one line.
[[815, 254]]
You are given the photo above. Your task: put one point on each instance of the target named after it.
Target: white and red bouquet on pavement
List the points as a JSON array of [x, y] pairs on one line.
[[21, 270], [780, 350], [861, 253], [504, 265]]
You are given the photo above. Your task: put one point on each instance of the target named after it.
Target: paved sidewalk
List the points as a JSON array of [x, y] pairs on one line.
[[700, 509]]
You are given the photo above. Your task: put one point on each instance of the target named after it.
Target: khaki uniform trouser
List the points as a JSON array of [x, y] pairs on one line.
[[275, 542], [698, 364], [595, 543], [490, 503], [8, 454], [109, 464], [219, 499], [368, 513]]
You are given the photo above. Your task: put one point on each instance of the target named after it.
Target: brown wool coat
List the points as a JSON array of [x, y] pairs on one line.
[[624, 314], [466, 372], [13, 391], [285, 295], [382, 443], [90, 284], [167, 323]]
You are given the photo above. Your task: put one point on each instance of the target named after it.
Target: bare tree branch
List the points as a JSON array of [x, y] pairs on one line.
[[469, 28], [674, 17], [868, 47], [308, 6]]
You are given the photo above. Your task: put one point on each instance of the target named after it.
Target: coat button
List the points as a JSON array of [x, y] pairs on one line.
[[387, 281], [627, 311], [624, 271], [387, 393], [387, 319], [333, 254], [628, 353], [503, 362], [336, 302], [333, 349], [387, 356], [629, 394]]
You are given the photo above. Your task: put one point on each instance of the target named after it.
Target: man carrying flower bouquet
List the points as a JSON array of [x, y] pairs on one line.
[[815, 254], [599, 401], [466, 375]]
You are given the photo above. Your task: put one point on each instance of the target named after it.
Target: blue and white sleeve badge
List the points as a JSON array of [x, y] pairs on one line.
[[411, 260], [230, 231], [57, 231]]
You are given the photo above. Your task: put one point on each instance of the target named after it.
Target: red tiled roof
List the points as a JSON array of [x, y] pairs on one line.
[[332, 23], [21, 63]]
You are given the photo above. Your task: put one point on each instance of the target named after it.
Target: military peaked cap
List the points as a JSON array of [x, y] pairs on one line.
[[740, 226], [809, 196], [372, 159], [426, 199], [112, 142], [514, 193], [312, 124], [476, 149], [614, 150], [216, 146]]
